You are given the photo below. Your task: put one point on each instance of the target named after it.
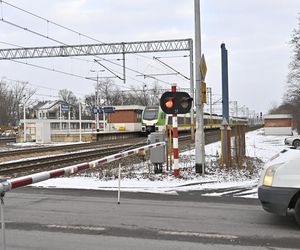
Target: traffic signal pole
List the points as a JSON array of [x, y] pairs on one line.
[[175, 140], [175, 103], [199, 136]]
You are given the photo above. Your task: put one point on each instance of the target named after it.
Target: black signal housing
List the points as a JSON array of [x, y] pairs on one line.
[[182, 102]]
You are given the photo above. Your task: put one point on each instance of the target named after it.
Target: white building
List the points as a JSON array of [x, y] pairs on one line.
[[278, 124]]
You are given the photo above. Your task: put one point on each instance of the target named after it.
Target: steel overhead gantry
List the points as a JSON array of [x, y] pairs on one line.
[[97, 49], [108, 49]]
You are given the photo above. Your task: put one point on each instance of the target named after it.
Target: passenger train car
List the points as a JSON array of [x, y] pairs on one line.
[[154, 119]]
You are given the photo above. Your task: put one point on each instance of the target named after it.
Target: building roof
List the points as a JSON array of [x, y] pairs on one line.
[[278, 116], [130, 107], [50, 104]]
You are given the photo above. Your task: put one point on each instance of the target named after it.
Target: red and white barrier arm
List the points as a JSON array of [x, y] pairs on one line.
[[38, 177]]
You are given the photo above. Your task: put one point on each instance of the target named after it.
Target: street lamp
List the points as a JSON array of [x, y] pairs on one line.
[[97, 97], [80, 110], [24, 116]]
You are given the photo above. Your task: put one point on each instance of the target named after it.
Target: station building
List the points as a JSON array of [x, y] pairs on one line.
[[53, 124], [278, 124]]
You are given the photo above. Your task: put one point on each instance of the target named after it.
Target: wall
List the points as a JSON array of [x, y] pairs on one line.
[[278, 122], [123, 116], [278, 131]]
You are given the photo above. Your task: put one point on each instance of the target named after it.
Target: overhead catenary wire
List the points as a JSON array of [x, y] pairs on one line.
[[135, 71], [82, 94], [168, 66], [66, 28], [74, 75], [61, 26], [47, 37], [31, 31], [38, 85], [11, 44], [89, 78], [60, 71], [47, 20]]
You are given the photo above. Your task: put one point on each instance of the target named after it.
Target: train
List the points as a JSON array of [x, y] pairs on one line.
[[154, 120]]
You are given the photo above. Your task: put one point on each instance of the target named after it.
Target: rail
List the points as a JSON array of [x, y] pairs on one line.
[[7, 185], [51, 148]]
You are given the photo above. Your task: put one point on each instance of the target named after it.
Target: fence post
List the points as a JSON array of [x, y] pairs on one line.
[[119, 183], [2, 221], [225, 144]]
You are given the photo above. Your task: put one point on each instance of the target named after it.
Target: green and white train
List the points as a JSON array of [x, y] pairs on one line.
[[154, 119]]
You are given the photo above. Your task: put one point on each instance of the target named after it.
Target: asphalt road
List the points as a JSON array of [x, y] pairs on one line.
[[83, 219]]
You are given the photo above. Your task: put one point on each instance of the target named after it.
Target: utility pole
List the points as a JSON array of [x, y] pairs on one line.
[[236, 109], [80, 134], [97, 104], [192, 90], [124, 68], [97, 98], [199, 144], [24, 114]]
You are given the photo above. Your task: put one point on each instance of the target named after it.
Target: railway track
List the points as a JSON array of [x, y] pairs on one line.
[[83, 153], [66, 156], [4, 140], [17, 168], [17, 154]]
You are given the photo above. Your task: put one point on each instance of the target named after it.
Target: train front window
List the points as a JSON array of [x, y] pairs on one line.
[[150, 114]]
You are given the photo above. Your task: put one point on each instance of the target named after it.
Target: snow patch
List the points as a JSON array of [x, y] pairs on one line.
[[140, 177]]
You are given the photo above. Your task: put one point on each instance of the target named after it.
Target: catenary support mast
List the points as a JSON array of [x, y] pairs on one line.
[[199, 143]]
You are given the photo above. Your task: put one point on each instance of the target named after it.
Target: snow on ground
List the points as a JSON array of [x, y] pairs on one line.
[[217, 182]]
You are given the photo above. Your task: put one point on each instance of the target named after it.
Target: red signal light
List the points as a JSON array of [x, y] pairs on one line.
[[169, 103], [175, 102]]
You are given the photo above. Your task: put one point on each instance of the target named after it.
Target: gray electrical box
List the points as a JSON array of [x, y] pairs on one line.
[[157, 155]]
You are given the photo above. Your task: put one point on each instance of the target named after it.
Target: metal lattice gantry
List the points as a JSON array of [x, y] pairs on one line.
[[97, 49]]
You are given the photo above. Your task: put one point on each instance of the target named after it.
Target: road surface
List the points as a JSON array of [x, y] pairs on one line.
[[86, 219]]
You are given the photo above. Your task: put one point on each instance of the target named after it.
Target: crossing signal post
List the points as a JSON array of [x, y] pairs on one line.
[[175, 103]]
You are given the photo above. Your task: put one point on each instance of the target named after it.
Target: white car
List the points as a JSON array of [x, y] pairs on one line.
[[279, 185], [293, 141], [9, 133]]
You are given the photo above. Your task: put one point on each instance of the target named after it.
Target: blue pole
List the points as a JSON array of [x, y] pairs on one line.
[[225, 98]]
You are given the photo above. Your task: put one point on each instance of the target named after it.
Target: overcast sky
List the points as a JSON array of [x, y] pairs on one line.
[[256, 34]]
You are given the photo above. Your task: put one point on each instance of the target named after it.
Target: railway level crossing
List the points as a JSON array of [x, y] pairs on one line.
[[7, 185]]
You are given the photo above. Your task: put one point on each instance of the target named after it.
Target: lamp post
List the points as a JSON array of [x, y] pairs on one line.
[[80, 136], [80, 120], [97, 97], [24, 116]]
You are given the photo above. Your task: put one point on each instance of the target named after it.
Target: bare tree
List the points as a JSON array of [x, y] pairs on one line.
[[294, 73], [146, 96], [13, 94], [291, 97], [67, 96], [112, 95]]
